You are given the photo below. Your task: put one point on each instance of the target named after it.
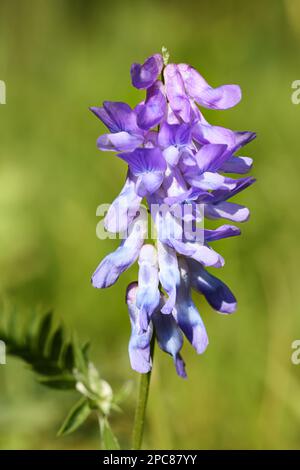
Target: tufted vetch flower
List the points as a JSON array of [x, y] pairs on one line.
[[182, 167]]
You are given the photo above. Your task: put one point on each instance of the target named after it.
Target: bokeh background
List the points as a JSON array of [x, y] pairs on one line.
[[59, 57]]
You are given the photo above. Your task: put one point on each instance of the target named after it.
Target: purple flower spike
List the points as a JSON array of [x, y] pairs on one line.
[[143, 76], [185, 169]]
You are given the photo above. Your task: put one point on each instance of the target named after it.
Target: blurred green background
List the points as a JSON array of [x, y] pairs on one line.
[[59, 57]]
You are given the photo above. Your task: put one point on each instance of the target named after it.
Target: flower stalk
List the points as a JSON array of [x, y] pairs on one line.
[[141, 406]]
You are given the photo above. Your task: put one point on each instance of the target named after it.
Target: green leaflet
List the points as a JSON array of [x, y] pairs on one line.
[[61, 382], [44, 331], [77, 416], [108, 439], [56, 344]]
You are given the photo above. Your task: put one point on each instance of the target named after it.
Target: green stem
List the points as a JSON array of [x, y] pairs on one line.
[[141, 405]]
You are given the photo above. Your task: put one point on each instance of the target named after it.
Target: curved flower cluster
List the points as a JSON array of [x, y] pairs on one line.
[[174, 156]]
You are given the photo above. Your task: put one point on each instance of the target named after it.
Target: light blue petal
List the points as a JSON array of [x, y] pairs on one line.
[[114, 264], [186, 313], [148, 295]]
